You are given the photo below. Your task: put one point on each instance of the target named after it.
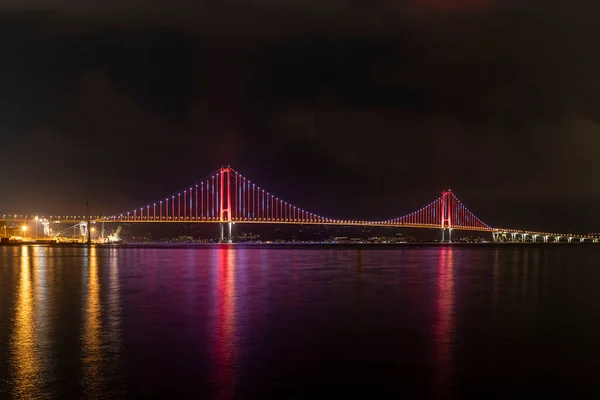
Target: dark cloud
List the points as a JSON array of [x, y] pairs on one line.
[[343, 108]]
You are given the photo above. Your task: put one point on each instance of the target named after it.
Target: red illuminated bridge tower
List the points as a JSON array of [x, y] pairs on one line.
[[225, 202], [446, 213]]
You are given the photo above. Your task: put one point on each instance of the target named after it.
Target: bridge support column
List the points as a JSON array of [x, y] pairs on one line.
[[224, 239], [570, 239], [514, 237], [523, 237], [582, 240], [534, 238], [449, 235], [87, 225], [545, 239]]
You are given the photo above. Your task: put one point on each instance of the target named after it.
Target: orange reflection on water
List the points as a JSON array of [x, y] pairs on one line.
[[91, 351], [225, 346], [444, 324], [25, 367], [113, 309], [495, 281]]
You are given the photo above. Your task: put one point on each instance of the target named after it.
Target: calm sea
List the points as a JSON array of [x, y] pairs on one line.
[[279, 322]]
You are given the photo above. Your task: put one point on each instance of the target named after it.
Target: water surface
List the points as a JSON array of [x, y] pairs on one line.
[[299, 322]]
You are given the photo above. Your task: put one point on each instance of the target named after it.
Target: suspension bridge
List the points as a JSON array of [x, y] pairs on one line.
[[226, 197]]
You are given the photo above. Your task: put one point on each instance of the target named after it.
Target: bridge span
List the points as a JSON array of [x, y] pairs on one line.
[[227, 198]]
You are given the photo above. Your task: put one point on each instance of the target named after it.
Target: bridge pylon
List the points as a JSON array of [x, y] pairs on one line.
[[446, 214], [225, 206]]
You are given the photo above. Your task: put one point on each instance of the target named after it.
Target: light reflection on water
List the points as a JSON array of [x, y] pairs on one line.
[[444, 325], [113, 306], [214, 322], [25, 377], [90, 346], [225, 324]]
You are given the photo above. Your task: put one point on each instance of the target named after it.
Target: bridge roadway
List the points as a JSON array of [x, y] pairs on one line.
[[498, 234]]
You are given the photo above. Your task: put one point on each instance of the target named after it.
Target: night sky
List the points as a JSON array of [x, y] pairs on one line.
[[350, 109]]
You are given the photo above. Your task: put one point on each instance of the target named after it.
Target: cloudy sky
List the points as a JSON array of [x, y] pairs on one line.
[[348, 108]]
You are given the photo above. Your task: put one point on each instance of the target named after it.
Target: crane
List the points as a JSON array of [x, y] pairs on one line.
[[114, 238]]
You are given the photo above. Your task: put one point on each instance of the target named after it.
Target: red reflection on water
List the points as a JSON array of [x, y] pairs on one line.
[[444, 318], [225, 346]]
